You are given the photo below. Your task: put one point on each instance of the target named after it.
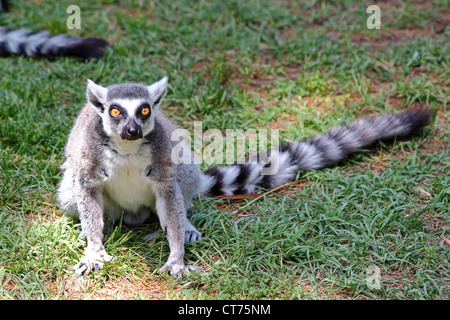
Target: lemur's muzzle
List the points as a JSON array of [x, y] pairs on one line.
[[131, 131]]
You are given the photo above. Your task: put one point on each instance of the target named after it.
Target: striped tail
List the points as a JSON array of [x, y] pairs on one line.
[[317, 152], [42, 44]]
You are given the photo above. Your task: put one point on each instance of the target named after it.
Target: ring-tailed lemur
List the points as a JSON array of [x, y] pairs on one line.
[[42, 44], [118, 161]]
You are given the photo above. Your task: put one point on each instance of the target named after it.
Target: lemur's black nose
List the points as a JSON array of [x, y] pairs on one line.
[[132, 131]]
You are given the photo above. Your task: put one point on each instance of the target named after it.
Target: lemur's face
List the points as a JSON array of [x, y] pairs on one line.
[[127, 109], [129, 118]]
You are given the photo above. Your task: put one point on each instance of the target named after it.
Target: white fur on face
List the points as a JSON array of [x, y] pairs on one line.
[[131, 107]]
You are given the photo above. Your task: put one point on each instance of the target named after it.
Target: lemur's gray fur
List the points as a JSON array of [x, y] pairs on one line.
[[118, 159]]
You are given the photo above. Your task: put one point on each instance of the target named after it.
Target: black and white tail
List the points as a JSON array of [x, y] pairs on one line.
[[43, 44], [313, 153]]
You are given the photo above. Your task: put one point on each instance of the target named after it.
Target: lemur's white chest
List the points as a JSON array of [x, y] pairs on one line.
[[127, 183]]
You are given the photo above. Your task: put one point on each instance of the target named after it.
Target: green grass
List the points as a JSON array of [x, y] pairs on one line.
[[299, 67]]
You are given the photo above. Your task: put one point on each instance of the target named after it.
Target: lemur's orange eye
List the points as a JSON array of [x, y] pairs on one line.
[[145, 111], [114, 112]]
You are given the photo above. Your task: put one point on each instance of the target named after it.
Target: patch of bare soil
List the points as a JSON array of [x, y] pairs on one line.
[[76, 288]]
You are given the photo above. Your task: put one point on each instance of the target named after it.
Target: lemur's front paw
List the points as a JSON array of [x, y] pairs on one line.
[[192, 235], [177, 269], [92, 261]]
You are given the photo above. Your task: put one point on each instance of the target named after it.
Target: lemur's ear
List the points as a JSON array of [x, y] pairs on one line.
[[96, 95], [158, 90]]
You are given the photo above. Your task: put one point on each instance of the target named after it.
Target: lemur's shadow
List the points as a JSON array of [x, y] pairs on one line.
[[147, 240]]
